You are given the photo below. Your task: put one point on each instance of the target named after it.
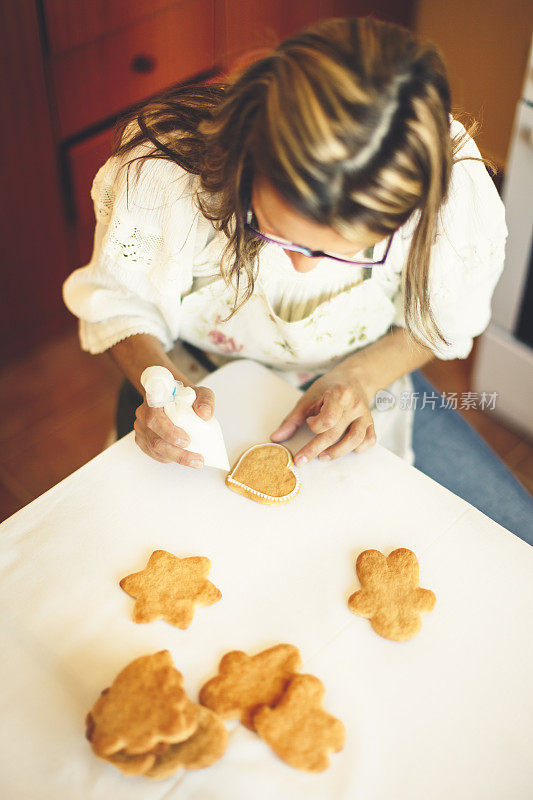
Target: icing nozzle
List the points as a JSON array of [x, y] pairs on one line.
[[160, 386], [184, 395]]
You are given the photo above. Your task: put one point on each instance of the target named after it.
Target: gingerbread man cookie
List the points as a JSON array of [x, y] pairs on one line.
[[246, 682], [265, 473], [390, 595], [169, 588], [298, 729]]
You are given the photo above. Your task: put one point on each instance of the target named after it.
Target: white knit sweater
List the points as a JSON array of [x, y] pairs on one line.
[[155, 269], [146, 244]]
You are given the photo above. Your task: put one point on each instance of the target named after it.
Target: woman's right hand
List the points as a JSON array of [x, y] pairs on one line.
[[159, 438]]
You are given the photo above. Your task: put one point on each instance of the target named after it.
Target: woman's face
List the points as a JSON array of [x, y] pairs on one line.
[[276, 217]]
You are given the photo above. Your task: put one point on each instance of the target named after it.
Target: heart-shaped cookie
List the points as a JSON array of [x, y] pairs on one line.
[[265, 473]]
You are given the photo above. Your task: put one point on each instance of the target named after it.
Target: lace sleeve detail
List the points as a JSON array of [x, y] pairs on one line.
[[142, 255]]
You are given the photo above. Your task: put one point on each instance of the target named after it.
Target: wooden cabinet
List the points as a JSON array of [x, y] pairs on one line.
[[98, 80], [71, 23], [70, 67]]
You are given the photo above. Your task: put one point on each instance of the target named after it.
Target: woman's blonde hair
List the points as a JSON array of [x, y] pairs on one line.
[[348, 120]]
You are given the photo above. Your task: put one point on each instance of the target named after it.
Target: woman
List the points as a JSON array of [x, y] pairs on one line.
[[312, 214]]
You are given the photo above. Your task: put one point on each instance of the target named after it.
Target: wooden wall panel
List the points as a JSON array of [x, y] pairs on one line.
[[251, 24], [33, 255], [485, 46]]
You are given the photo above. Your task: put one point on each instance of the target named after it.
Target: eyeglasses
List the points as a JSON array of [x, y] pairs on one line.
[[298, 248]]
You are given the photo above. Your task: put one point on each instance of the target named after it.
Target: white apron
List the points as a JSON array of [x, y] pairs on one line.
[[297, 350]]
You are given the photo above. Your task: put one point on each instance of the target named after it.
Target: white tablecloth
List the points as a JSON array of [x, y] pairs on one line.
[[448, 714]]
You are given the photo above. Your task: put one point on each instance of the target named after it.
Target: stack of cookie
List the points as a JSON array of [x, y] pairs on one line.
[[269, 696], [144, 723]]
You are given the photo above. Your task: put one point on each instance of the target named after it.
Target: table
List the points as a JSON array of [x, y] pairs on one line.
[[447, 714]]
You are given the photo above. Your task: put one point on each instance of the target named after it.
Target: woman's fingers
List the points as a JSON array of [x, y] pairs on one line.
[[336, 410], [335, 401], [338, 441], [159, 449], [159, 438], [317, 445], [361, 431], [293, 420], [157, 421], [204, 405], [369, 440]]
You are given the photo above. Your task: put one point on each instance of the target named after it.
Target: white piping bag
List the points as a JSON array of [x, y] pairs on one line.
[[164, 391]]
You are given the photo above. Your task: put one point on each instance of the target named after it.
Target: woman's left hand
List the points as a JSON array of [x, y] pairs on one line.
[[337, 410]]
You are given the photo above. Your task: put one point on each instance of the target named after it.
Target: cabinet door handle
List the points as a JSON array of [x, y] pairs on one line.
[[142, 64]]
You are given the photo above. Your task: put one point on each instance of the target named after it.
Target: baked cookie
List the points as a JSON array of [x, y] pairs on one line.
[[144, 706], [246, 682], [169, 588], [122, 760], [298, 729], [206, 745], [390, 595], [132, 765], [265, 473]]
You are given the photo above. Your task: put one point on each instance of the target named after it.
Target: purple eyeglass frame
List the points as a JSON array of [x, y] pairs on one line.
[[298, 248]]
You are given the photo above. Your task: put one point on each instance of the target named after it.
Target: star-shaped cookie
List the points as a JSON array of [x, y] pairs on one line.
[[169, 588], [390, 595]]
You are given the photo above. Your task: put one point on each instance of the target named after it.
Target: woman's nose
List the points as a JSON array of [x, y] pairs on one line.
[[300, 262]]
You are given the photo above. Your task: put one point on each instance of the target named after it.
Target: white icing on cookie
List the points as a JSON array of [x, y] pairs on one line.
[[288, 466]]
